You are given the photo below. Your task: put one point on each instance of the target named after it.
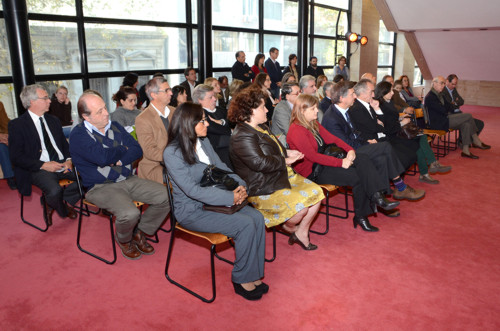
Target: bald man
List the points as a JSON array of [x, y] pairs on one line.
[[103, 152], [442, 117]]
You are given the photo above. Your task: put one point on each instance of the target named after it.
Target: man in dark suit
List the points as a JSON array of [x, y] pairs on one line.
[[442, 117], [190, 83], [326, 102], [313, 68], [451, 95], [240, 69], [274, 71], [40, 153], [337, 121]]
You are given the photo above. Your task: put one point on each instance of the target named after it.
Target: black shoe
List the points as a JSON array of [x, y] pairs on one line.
[[470, 156], [380, 200], [12, 183], [482, 146], [254, 294], [263, 287], [390, 213], [293, 239], [364, 224]]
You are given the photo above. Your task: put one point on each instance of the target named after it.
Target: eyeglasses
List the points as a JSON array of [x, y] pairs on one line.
[[166, 90]]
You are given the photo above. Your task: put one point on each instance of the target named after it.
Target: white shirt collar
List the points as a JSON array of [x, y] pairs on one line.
[[167, 111], [91, 128], [364, 103]]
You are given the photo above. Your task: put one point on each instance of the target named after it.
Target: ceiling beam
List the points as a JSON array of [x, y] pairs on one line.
[[419, 56], [386, 15]]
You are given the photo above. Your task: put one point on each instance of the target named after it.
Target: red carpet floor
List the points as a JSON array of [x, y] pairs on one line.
[[436, 267]]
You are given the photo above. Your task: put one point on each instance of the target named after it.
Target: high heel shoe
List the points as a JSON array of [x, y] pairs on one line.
[[293, 239], [364, 224], [380, 200], [254, 294]]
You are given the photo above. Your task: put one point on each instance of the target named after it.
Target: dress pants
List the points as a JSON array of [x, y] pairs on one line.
[[362, 176], [247, 229], [425, 155], [384, 158], [466, 124], [48, 182], [118, 199]]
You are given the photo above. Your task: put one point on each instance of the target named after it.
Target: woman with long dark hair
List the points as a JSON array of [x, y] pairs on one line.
[[186, 157], [179, 96], [292, 67], [258, 65]]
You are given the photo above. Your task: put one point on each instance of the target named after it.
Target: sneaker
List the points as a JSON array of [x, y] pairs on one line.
[[409, 194], [437, 167], [428, 179]]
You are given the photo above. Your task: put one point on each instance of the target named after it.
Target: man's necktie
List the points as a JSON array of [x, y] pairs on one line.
[[348, 120], [48, 145]]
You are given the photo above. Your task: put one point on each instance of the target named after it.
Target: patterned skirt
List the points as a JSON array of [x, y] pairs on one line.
[[280, 206]]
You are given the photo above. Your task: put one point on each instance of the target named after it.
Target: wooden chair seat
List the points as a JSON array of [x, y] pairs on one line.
[[213, 238]]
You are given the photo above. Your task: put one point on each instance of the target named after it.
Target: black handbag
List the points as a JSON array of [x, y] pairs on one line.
[[216, 177], [410, 131], [330, 150]]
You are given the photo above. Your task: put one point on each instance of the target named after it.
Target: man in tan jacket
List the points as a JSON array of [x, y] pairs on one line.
[[151, 128]]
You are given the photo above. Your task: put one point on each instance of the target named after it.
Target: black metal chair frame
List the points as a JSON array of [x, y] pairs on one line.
[[44, 206], [327, 205]]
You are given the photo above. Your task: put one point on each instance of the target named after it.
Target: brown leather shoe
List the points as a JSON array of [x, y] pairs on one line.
[[129, 250], [409, 194], [72, 214], [142, 244], [48, 214]]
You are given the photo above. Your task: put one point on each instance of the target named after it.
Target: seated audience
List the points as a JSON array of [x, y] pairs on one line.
[[240, 69], [320, 82], [307, 86], [211, 81], [225, 89], [126, 112], [292, 66], [60, 107], [132, 80], [103, 153], [219, 131], [288, 78], [451, 95], [283, 111], [143, 97], [338, 122], [281, 195], [356, 170], [407, 93], [263, 81], [179, 96], [398, 102], [40, 156], [442, 117], [393, 124], [151, 127], [341, 68], [363, 116], [338, 78], [5, 163], [326, 102], [313, 68], [186, 157], [190, 83], [258, 65]]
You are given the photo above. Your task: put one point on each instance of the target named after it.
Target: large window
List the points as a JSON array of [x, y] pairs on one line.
[[329, 22], [386, 52]]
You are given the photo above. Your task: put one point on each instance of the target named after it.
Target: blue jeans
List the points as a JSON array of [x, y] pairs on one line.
[[5, 161]]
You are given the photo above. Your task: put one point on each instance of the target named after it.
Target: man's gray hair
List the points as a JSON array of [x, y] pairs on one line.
[[304, 81], [200, 91], [153, 86], [328, 86], [287, 88], [362, 86], [29, 94]]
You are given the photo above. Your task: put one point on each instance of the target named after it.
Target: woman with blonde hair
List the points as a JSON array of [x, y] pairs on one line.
[[357, 170], [320, 81]]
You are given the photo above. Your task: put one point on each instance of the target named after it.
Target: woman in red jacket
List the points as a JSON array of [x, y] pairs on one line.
[[307, 135]]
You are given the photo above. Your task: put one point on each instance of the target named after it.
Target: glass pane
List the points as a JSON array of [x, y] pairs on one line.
[[344, 4], [194, 11], [127, 48], [75, 90], [175, 79], [381, 72], [227, 43], [324, 21], [224, 73], [286, 45], [57, 7], [328, 72], [55, 47], [385, 36], [195, 48], [417, 77], [236, 13], [385, 53], [324, 50], [8, 97], [343, 24], [5, 66], [151, 10], [281, 15]]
